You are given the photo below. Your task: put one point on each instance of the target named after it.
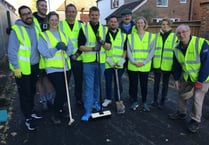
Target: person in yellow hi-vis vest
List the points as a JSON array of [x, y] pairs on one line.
[[92, 41], [141, 46], [70, 26], [55, 48], [114, 62], [191, 61], [23, 58], [44, 86], [163, 61]]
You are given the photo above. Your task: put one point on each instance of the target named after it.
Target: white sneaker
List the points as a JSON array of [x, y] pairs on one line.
[[106, 102]]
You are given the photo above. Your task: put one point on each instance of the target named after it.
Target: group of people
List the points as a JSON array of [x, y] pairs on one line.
[[92, 50]]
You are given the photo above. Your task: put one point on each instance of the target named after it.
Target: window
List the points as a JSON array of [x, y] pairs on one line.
[[162, 3], [114, 4], [183, 1]]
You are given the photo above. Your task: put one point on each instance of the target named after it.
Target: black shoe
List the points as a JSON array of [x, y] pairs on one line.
[[154, 104], [56, 119], [177, 116], [30, 124], [193, 126]]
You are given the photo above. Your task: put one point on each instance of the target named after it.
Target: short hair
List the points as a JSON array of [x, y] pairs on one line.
[[70, 5], [94, 8], [110, 17], [23, 7], [167, 20], [40, 1], [52, 14], [145, 21], [184, 26]]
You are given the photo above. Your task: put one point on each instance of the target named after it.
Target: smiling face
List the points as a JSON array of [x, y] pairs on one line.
[[183, 33], [113, 23], [26, 16], [53, 22], [140, 24], [71, 13], [165, 26], [94, 17], [126, 18], [42, 8]]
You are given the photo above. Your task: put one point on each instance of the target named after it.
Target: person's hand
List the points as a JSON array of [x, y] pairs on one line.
[[17, 73], [61, 46], [121, 62], [100, 41], [74, 56], [139, 64], [97, 47], [110, 61], [176, 85], [197, 85]]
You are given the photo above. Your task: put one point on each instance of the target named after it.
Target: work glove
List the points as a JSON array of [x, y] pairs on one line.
[[8, 30], [61, 46], [197, 85], [100, 41], [110, 61], [17, 73], [121, 62], [97, 47], [74, 56]]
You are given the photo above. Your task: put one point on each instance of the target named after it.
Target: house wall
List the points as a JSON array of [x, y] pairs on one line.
[[105, 9], [204, 29], [175, 9]]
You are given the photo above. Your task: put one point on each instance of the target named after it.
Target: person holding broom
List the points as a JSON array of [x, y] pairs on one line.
[[55, 48], [114, 62]]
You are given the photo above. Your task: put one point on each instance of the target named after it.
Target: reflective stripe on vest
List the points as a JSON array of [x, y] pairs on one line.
[[90, 56], [116, 51], [72, 34], [140, 50], [163, 57], [24, 50], [56, 61], [191, 61]]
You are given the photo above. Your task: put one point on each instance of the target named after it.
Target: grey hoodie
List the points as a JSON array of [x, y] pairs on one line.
[[14, 44]]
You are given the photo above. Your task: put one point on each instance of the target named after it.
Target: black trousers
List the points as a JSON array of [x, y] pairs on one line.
[[58, 82], [133, 84], [26, 86], [165, 80], [77, 70]]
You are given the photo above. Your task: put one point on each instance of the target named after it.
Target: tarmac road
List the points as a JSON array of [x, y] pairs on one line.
[[131, 128]]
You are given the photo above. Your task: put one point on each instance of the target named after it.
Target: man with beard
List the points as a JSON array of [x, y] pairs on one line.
[[24, 62], [44, 86]]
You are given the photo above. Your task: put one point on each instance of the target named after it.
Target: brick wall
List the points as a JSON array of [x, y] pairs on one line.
[[204, 18]]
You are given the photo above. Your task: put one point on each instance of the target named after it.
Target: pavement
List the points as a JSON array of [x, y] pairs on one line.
[[132, 128]]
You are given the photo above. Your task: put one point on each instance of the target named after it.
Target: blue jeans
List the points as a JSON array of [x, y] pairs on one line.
[[109, 75], [91, 77]]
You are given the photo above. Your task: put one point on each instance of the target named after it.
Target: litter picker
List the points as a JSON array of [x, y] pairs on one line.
[[120, 107], [67, 91], [101, 113]]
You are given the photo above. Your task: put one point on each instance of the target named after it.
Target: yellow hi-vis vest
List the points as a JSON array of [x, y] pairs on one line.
[[24, 51], [57, 60], [91, 41], [116, 51], [163, 56], [191, 62], [140, 50], [72, 34]]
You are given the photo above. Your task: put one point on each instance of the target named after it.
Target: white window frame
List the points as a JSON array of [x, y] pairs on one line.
[[183, 1], [162, 1]]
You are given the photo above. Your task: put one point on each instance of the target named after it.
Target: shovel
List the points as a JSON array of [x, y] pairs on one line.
[[120, 107]]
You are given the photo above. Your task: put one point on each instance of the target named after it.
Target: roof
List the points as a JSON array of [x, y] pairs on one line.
[[130, 5]]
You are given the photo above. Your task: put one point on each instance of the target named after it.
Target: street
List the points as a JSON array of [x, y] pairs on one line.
[[132, 128]]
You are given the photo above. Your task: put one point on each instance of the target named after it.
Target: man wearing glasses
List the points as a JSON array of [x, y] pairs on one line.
[[191, 60]]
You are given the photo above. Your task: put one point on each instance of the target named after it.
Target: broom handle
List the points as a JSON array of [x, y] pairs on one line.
[[117, 83], [66, 85]]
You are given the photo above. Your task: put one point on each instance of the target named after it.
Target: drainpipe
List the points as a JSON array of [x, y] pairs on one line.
[[190, 10]]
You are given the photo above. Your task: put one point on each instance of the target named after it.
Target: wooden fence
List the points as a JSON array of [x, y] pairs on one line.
[[194, 26]]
